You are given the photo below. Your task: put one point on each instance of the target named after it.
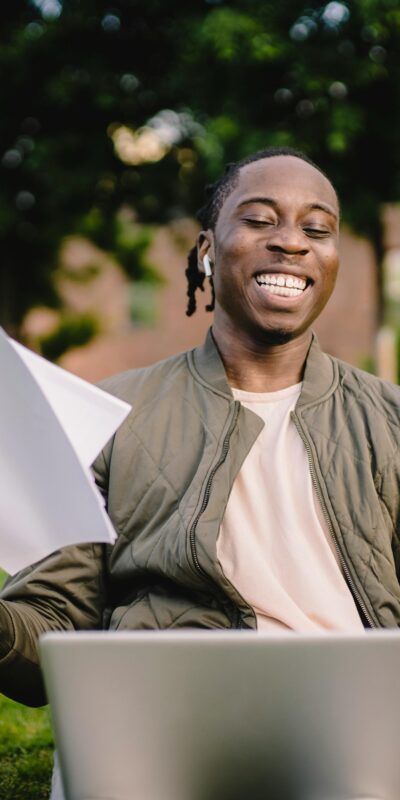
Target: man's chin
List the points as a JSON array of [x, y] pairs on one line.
[[277, 336]]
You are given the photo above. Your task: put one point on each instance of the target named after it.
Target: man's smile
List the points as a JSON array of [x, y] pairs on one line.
[[282, 284]]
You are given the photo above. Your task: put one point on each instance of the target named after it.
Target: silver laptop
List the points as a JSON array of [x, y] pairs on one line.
[[225, 715]]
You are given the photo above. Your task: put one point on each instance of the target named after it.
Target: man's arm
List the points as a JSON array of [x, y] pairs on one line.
[[64, 591]]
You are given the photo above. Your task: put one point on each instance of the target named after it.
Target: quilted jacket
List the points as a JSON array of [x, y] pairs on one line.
[[167, 475]]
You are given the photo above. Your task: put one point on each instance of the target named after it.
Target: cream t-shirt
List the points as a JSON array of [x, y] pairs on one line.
[[273, 544]]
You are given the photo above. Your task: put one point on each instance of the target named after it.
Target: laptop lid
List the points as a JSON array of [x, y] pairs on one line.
[[225, 715]]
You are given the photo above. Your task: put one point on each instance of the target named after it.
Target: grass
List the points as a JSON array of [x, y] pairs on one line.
[[26, 751]]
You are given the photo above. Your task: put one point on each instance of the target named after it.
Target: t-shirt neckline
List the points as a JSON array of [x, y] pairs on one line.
[[267, 397]]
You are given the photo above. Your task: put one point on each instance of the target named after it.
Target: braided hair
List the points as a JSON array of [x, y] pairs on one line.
[[216, 194]]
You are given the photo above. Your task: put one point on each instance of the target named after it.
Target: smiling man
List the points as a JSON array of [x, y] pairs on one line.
[[255, 483], [275, 247]]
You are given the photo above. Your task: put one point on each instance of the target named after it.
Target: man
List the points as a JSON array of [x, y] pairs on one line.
[[255, 482]]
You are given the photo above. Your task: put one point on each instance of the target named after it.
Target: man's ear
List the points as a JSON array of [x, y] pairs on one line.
[[205, 247]]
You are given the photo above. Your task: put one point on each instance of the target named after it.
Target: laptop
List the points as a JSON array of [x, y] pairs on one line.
[[225, 715]]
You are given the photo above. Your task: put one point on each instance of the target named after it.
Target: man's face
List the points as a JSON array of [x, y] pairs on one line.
[[275, 249]]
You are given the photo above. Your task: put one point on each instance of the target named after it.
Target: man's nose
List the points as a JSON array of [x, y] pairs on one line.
[[287, 239]]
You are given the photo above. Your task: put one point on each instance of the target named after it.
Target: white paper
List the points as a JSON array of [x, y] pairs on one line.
[[88, 415], [52, 425]]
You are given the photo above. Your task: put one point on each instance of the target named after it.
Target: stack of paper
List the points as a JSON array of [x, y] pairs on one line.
[[52, 426]]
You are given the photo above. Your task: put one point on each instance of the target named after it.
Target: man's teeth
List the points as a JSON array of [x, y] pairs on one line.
[[284, 285]]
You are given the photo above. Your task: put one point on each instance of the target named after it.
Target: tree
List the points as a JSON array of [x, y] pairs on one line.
[[143, 103], [322, 77], [71, 75]]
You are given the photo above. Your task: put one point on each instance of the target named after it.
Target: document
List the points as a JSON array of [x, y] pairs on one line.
[[52, 427]]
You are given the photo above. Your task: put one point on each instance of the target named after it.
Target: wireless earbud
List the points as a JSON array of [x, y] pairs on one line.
[[207, 266]]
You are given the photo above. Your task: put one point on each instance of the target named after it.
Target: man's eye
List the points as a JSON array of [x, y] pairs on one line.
[[317, 233], [258, 221]]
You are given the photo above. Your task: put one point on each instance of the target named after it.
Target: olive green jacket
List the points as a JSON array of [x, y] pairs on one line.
[[167, 475]]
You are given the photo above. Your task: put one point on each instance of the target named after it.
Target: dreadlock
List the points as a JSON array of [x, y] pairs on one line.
[[216, 194]]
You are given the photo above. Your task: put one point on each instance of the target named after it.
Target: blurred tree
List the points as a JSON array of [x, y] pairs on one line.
[[140, 103], [321, 77], [71, 74]]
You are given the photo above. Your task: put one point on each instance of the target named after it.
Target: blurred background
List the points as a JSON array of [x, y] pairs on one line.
[[114, 116]]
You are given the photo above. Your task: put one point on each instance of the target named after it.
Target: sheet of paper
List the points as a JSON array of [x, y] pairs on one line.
[[88, 415], [48, 498]]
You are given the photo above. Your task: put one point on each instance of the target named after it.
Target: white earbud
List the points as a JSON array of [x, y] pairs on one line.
[[207, 266]]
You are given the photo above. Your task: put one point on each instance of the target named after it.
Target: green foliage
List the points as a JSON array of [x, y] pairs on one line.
[[72, 331], [65, 81], [142, 303], [330, 82], [26, 752], [130, 249], [235, 75], [83, 275], [98, 227], [230, 33], [367, 363]]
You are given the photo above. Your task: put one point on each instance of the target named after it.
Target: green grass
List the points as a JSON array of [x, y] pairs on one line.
[[26, 750]]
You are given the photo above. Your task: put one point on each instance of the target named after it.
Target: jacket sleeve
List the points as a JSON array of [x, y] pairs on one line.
[[65, 591], [389, 494]]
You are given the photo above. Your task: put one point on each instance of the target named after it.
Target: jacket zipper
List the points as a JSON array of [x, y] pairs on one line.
[[315, 481], [207, 490]]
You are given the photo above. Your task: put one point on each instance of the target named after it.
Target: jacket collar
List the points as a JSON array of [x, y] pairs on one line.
[[321, 376], [207, 363], [319, 381]]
